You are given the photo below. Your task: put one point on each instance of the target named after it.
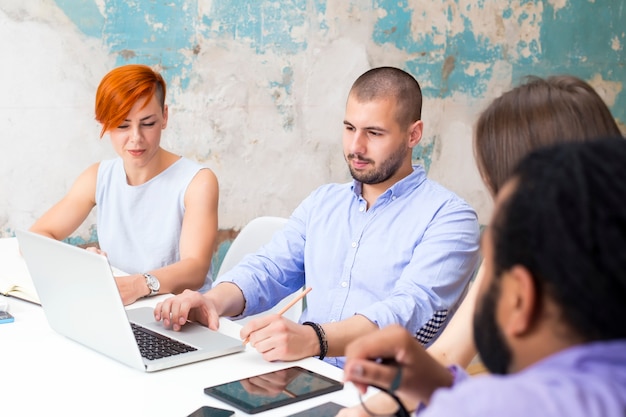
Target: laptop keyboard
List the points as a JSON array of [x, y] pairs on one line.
[[154, 346]]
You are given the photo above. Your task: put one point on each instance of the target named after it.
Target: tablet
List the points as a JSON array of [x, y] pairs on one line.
[[273, 389]]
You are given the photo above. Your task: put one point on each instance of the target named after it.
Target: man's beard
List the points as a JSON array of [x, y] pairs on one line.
[[490, 342], [386, 170]]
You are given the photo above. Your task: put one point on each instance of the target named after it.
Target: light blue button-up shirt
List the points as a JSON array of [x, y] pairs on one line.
[[406, 258]]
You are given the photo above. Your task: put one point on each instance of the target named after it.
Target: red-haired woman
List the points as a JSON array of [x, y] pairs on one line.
[[156, 211]]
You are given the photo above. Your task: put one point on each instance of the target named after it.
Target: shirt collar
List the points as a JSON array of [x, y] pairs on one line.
[[401, 187]]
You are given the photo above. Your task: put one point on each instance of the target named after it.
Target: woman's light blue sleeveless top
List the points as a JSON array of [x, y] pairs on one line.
[[139, 226]]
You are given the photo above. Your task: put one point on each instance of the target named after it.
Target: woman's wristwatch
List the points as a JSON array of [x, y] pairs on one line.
[[153, 284]]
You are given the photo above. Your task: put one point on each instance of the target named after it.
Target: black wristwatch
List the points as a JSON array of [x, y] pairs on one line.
[[153, 284]]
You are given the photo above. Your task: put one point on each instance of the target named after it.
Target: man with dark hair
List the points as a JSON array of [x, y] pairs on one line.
[[389, 247], [550, 318]]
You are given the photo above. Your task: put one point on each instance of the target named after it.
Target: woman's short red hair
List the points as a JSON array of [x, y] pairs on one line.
[[121, 88]]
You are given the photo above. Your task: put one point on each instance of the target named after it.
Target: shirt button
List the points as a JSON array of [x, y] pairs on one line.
[[393, 197], [354, 244], [344, 284], [333, 320], [361, 208]]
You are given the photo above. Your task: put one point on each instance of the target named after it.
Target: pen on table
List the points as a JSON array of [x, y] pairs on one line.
[[287, 307]]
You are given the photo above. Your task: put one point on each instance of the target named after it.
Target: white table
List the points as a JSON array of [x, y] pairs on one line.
[[43, 373]]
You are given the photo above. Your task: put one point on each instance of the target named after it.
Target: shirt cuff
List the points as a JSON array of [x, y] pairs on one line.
[[458, 375]]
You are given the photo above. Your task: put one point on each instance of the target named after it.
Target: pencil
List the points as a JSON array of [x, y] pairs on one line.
[[287, 307]]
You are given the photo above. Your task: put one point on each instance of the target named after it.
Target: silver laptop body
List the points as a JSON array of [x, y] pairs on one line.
[[81, 301]]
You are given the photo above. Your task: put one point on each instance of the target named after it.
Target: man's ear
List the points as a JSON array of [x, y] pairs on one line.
[[415, 133], [518, 302]]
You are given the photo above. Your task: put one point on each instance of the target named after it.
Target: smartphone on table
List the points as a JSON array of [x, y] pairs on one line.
[[206, 411], [6, 317]]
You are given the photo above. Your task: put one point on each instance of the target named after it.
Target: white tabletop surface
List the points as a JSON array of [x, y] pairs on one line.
[[42, 373]]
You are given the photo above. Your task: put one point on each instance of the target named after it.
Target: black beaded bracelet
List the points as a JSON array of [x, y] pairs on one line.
[[321, 337]]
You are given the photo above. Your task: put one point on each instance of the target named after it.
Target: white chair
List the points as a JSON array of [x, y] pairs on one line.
[[254, 235]]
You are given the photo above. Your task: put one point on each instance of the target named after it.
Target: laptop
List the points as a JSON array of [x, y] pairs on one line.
[[81, 301]]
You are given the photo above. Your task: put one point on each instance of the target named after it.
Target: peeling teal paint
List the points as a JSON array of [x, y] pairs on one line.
[[158, 33], [320, 9], [577, 40], [85, 15], [218, 256], [72, 240], [395, 27], [282, 97], [431, 66], [523, 16], [423, 154], [151, 33], [265, 25], [80, 240], [287, 81]]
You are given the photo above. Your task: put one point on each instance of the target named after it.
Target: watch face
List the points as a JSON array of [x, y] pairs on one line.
[[152, 282]]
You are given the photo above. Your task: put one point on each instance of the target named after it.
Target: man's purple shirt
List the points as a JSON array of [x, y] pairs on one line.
[[584, 381]]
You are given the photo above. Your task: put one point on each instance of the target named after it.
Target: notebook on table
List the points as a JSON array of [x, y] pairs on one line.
[[15, 280], [81, 301]]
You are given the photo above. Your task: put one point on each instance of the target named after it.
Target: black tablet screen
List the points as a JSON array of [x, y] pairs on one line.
[[273, 389]]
